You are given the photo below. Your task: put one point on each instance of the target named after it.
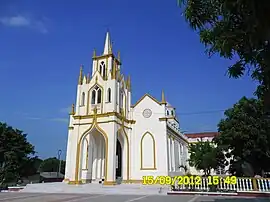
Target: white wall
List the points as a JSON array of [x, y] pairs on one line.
[[157, 129]]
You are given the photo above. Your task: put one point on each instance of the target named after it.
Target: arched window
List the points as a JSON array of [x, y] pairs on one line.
[[93, 99], [96, 95], [102, 69], [172, 113], [109, 95], [168, 113], [104, 72], [83, 99], [99, 96]]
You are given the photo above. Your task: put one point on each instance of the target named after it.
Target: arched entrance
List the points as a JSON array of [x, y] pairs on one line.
[[118, 173], [93, 157]]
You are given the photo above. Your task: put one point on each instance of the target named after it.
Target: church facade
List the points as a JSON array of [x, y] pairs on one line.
[[110, 139]]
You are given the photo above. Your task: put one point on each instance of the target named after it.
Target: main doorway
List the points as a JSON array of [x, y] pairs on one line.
[[118, 173]]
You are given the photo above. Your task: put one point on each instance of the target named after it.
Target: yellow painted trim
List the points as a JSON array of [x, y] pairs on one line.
[[106, 69], [75, 182], [107, 56], [110, 121], [107, 114], [78, 156], [154, 99], [109, 183], [86, 181], [70, 127], [154, 151], [128, 163]]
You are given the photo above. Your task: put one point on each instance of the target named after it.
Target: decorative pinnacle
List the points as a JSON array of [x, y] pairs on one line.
[[81, 75], [118, 56], [88, 78], [163, 101], [110, 48], [94, 53], [72, 109], [129, 83]]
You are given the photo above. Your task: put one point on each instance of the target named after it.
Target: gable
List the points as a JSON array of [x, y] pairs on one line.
[[146, 96]]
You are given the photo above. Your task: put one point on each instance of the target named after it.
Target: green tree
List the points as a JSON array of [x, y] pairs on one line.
[[15, 151], [205, 156], [235, 29], [30, 167], [245, 135], [52, 165]]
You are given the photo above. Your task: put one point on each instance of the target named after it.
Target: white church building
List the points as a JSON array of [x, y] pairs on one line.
[[110, 139]]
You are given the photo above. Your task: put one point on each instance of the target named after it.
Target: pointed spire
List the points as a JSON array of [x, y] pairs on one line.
[[84, 79], [129, 83], [108, 45], [94, 53], [81, 76], [88, 78], [163, 101], [118, 56]]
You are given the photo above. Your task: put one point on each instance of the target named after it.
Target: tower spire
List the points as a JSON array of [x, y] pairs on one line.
[[163, 101], [81, 75], [108, 44]]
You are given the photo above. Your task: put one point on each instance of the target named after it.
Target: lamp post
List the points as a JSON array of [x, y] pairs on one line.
[[59, 159]]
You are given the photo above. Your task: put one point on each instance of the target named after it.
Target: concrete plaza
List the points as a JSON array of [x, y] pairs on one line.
[[46, 197]]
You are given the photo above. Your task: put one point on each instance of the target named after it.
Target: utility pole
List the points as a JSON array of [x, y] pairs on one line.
[[59, 159]]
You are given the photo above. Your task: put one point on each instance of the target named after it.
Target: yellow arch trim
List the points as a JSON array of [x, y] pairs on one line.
[[154, 151], [88, 96], [126, 136], [78, 156]]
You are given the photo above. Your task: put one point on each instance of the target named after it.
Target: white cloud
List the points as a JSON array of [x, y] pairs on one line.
[[65, 110], [33, 118], [23, 21], [15, 21], [65, 120]]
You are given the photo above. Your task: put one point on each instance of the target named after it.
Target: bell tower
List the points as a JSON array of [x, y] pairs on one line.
[[107, 89]]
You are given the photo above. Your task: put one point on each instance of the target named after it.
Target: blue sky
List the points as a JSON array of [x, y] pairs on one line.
[[43, 44]]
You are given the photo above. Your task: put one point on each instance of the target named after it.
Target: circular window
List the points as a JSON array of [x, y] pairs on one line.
[[147, 113]]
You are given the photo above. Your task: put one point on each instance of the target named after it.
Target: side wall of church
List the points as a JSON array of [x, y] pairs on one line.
[[148, 141]]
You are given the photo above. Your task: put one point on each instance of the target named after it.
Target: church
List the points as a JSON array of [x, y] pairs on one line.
[[111, 140]]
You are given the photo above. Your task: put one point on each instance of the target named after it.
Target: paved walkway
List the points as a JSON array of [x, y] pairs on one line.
[[43, 197]]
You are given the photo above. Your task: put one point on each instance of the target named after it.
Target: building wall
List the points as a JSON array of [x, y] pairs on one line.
[[148, 134]]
